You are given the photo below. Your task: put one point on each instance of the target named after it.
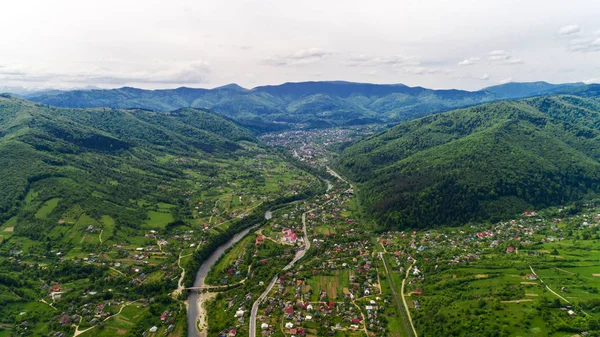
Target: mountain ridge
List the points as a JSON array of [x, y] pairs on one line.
[[480, 163], [330, 103]]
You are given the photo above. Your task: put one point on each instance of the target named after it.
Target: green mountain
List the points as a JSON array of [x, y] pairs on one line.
[[517, 90], [485, 162], [308, 104], [101, 159]]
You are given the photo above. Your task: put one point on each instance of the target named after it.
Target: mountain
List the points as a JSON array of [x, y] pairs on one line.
[[481, 163], [103, 158], [304, 104], [520, 90]]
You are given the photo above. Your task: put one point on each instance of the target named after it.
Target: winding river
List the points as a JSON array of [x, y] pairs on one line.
[[196, 298]]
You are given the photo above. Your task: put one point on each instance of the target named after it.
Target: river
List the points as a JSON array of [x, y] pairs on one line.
[[194, 297]]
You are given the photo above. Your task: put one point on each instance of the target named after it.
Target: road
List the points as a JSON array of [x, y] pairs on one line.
[[299, 255], [257, 303], [404, 299], [408, 327], [552, 291]]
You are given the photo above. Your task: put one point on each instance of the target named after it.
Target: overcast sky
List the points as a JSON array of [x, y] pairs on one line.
[[466, 44]]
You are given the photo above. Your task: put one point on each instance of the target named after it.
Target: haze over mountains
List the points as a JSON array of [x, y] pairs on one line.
[[314, 104]]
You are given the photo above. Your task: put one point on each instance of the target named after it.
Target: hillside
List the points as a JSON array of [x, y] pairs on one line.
[[77, 151], [100, 203], [485, 162], [305, 104]]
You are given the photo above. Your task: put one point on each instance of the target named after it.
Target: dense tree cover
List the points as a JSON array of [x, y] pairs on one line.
[[101, 159], [313, 104], [485, 162]]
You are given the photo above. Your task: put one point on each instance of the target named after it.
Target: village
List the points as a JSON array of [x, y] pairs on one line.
[[110, 278]]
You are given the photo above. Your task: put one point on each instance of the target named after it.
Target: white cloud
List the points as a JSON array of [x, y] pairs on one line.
[[376, 61], [469, 61], [298, 58], [485, 77], [501, 57], [569, 30], [584, 45], [196, 72], [592, 80], [506, 80]]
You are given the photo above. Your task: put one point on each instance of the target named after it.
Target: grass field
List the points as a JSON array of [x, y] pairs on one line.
[[157, 220], [47, 208], [333, 285]]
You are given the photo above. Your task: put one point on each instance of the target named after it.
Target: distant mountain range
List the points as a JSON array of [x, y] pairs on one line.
[[480, 163], [310, 104]]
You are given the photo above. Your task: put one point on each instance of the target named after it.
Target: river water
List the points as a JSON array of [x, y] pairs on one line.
[[194, 296]]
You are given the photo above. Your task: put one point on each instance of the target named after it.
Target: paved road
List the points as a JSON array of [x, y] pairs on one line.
[[257, 303], [299, 255]]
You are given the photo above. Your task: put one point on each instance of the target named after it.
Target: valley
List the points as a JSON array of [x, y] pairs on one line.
[[131, 222]]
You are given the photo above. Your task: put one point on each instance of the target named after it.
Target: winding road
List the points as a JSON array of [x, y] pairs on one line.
[[299, 255]]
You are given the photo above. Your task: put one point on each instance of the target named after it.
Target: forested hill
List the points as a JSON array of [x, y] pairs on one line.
[[311, 104], [101, 159], [485, 162]]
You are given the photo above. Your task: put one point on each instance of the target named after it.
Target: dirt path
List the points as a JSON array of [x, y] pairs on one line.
[[401, 310], [44, 301], [518, 301], [404, 298], [180, 286], [100, 235], [566, 271], [550, 290], [118, 271], [79, 332], [364, 319]]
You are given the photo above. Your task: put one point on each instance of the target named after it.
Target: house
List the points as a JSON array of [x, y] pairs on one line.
[[232, 333], [510, 249], [153, 329], [289, 325], [264, 326]]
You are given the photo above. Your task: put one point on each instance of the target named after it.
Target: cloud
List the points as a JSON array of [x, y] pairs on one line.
[[584, 45], [592, 80], [501, 57], [469, 61], [580, 42], [395, 63], [299, 58], [569, 30], [506, 80], [485, 77], [377, 61], [187, 73]]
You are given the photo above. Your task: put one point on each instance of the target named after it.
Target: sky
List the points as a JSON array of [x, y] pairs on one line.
[[463, 44]]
